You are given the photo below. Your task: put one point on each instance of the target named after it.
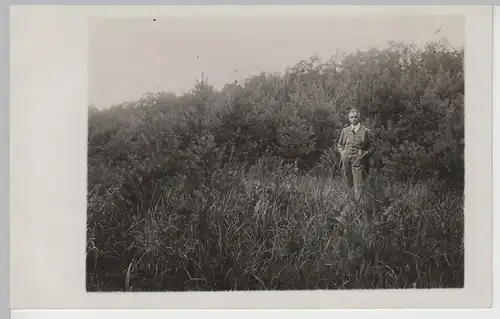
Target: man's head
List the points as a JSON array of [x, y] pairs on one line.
[[354, 115]]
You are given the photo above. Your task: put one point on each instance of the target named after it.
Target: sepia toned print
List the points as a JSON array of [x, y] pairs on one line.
[[247, 156]]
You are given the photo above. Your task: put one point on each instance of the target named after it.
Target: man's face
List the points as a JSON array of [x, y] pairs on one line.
[[354, 118]]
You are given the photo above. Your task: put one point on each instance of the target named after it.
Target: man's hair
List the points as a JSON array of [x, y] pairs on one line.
[[354, 111]]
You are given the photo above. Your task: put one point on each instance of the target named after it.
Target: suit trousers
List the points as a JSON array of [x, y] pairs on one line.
[[354, 172]]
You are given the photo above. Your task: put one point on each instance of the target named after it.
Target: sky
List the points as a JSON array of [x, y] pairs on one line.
[[130, 57]]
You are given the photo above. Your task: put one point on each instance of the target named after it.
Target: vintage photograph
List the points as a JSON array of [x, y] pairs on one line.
[[233, 153]]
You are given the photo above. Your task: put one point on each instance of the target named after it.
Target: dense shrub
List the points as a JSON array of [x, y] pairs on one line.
[[237, 188]]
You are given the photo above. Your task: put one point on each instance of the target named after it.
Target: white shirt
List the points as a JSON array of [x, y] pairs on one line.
[[355, 127]]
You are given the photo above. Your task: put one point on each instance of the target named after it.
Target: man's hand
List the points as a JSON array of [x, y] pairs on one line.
[[358, 159]]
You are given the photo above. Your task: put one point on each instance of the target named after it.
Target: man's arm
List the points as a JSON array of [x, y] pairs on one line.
[[370, 140], [340, 143]]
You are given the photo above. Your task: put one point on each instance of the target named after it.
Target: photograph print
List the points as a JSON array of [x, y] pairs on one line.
[[235, 153]]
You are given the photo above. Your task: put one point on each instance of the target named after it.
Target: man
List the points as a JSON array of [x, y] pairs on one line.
[[356, 144]]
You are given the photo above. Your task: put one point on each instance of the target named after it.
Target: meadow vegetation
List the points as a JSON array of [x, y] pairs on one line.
[[238, 188]]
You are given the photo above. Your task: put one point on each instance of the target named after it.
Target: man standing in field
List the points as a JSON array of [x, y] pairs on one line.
[[356, 144]]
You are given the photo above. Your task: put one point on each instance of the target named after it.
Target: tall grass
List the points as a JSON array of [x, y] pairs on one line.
[[266, 226]]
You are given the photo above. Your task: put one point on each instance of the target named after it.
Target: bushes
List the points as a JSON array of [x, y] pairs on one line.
[[237, 188], [412, 100]]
